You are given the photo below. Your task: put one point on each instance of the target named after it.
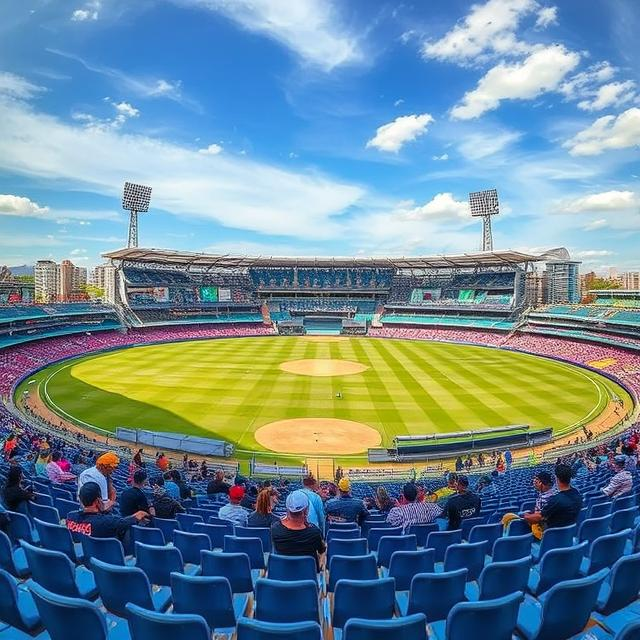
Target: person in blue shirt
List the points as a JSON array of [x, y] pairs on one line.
[[172, 489], [345, 508], [316, 506]]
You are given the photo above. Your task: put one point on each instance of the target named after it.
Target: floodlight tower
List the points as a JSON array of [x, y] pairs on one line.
[[484, 204], [135, 199]]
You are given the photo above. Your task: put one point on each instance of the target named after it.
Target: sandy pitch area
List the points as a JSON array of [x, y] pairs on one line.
[[323, 367], [311, 436]]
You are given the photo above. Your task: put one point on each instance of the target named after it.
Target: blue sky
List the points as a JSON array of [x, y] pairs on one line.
[[311, 127]]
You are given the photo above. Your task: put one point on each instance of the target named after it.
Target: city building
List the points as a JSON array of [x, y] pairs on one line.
[[562, 282], [534, 289], [630, 280], [62, 282], [104, 277], [46, 281]]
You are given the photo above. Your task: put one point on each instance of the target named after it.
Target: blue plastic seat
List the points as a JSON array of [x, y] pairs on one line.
[[288, 568], [618, 598], [235, 567], [408, 628], [209, 597], [466, 555], [190, 545], [512, 548], [599, 509], [351, 567], [624, 502], [404, 565], [16, 605], [563, 611], [187, 520], [368, 599], [604, 551], [440, 540], [118, 585], [469, 523], [388, 545], [434, 594], [496, 617], [256, 532], [43, 499], [44, 513], [339, 547], [421, 531], [623, 519], [58, 538], [499, 579], [554, 538], [487, 533], [167, 526], [294, 601], [65, 506], [150, 625], [215, 532], [518, 528], [20, 528], [55, 572], [251, 546], [147, 535], [345, 525], [13, 560], [220, 522], [159, 562], [374, 535], [593, 528], [556, 565], [62, 615], [343, 534], [250, 629], [108, 550]]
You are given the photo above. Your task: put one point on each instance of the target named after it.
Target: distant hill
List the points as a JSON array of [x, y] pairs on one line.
[[22, 270]]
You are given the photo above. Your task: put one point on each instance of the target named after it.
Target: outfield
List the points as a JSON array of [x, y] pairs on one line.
[[229, 388]]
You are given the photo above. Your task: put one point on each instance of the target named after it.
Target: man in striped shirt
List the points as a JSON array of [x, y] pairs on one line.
[[622, 481], [413, 512]]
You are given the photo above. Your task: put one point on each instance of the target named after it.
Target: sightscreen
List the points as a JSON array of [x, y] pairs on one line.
[[209, 294]]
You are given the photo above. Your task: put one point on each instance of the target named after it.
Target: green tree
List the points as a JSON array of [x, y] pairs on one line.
[[93, 291]]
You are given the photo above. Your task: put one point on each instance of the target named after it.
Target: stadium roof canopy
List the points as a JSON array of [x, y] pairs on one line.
[[204, 260]]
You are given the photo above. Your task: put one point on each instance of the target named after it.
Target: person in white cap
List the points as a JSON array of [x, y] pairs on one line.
[[294, 535]]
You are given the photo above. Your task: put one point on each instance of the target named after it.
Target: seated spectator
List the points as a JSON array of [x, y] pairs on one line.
[[15, 496], [92, 520], [464, 504], [561, 509], [54, 472], [622, 481], [443, 493], [543, 483], [345, 508], [162, 462], [383, 502], [294, 535], [137, 459], [185, 489], [316, 506], [101, 473], [41, 463], [412, 512], [134, 499], [10, 445], [250, 497], [263, 516], [233, 511], [172, 489], [218, 485], [164, 505]]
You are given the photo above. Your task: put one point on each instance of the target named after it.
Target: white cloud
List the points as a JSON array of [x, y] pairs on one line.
[[608, 132], [89, 12], [583, 83], [11, 205], [546, 17], [596, 224], [476, 146], [232, 190], [488, 28], [125, 109], [393, 135], [442, 158], [77, 252], [443, 206], [540, 72], [600, 202], [398, 102], [312, 29], [212, 150], [15, 86], [592, 253], [612, 94]]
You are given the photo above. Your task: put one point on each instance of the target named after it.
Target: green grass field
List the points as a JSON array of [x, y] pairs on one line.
[[228, 388]]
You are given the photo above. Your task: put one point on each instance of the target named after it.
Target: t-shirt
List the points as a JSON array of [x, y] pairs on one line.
[[459, 507], [235, 513], [345, 509], [297, 542], [258, 520], [316, 508], [132, 500], [172, 489], [217, 487], [562, 509], [98, 525], [93, 475]]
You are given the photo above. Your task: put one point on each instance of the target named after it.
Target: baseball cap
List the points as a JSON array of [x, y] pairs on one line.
[[109, 459], [297, 501], [89, 493], [344, 485], [236, 492], [463, 480]]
